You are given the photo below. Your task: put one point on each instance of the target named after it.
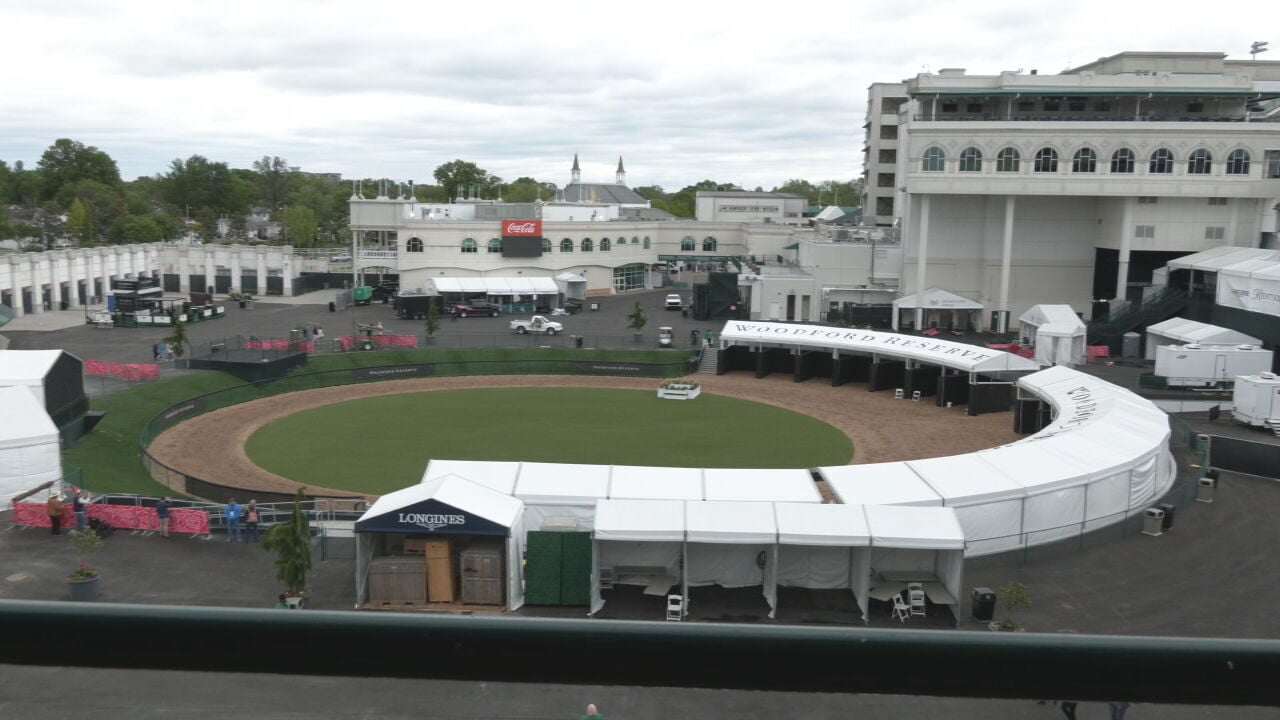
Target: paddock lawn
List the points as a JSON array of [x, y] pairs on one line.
[[383, 444]]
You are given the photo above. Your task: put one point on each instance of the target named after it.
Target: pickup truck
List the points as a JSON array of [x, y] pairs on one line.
[[537, 324], [475, 308], [674, 302]]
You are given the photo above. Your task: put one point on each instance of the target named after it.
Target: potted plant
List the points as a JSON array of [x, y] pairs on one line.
[[83, 582], [1013, 597], [636, 320], [291, 542], [178, 340], [432, 324]]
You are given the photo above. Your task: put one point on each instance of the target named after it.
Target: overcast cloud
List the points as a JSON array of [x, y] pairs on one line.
[[747, 92]]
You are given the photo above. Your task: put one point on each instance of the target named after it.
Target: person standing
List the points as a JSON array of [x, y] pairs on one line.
[[281, 603], [56, 510], [233, 520], [319, 333], [693, 337], [162, 512], [77, 507], [251, 521], [592, 713], [1068, 708], [1118, 709]]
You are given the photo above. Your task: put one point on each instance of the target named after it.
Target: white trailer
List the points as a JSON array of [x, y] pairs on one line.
[[1209, 366], [1256, 400]]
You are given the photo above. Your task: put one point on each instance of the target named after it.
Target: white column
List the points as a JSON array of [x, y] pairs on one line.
[[184, 270], [1126, 242], [261, 268], [286, 271], [1002, 324], [15, 288], [37, 292], [73, 282], [921, 258], [1235, 220], [210, 271], [235, 268]]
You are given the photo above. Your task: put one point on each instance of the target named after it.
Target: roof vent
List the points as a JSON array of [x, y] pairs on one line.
[[1192, 346], [1246, 347], [1267, 375]]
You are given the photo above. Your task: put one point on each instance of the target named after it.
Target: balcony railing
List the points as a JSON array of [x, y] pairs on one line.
[[1049, 117]]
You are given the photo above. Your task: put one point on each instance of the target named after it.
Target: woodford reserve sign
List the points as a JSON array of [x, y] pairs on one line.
[[961, 356]]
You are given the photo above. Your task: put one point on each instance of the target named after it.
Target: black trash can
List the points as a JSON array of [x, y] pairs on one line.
[[1169, 510], [577, 341], [333, 307], [984, 604]]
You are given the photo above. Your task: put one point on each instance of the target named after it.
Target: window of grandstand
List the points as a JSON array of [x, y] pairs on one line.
[[686, 243], [1084, 161], [1145, 231], [414, 245], [1238, 162], [1216, 232], [495, 245], [469, 245], [1200, 162], [971, 160], [1161, 162], [546, 246], [708, 244], [604, 244], [566, 245], [1122, 161], [935, 160], [1217, 201], [646, 242], [1008, 159], [1046, 160], [587, 245]]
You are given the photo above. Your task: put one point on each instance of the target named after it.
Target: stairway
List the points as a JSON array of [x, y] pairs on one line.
[[1161, 305], [710, 360]]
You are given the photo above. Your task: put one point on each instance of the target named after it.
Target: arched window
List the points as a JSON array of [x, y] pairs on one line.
[[495, 245], [587, 245], [971, 160], [1161, 162], [935, 160], [469, 245], [646, 242], [635, 240], [1084, 161], [604, 244], [566, 245], [1008, 159], [686, 243], [414, 245], [1046, 160], [1238, 162], [708, 244], [1122, 161], [1200, 162], [546, 246]]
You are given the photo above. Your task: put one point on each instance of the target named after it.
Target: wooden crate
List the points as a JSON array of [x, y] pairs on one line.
[[397, 581], [416, 545], [440, 574]]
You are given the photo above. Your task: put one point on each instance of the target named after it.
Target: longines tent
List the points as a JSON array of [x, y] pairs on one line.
[[733, 545], [562, 494], [1057, 333], [30, 452], [767, 485], [637, 534], [824, 547], [1180, 331], [891, 483], [937, 301], [447, 505], [637, 482]]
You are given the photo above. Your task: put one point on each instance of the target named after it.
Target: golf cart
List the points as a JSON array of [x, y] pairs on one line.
[[664, 336]]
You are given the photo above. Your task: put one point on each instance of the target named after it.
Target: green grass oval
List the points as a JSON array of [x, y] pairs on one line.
[[381, 444]]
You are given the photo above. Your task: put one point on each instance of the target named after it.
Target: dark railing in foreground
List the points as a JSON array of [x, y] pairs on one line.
[[616, 653]]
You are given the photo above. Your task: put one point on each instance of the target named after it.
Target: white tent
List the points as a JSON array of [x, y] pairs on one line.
[[27, 368], [1057, 487], [637, 534], [733, 545], [987, 502], [892, 483], [1057, 334], [495, 286], [1214, 259], [917, 542], [560, 495], [30, 452], [572, 285], [936, 301], [1181, 331], [824, 547], [494, 474], [765, 485], [1252, 286], [637, 482], [447, 505]]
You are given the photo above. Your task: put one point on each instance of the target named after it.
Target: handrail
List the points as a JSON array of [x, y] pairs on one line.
[[604, 652]]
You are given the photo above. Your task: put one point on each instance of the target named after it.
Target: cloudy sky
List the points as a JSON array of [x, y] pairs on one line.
[[747, 92]]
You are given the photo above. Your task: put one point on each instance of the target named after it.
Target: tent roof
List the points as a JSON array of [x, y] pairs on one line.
[[562, 483], [498, 475], [809, 524], [1054, 320], [640, 520], [26, 367], [1038, 467], [571, 277], [730, 522], [892, 483], [961, 356], [1188, 331], [937, 299], [455, 492], [640, 482], [1214, 259], [914, 528], [766, 485], [966, 480], [24, 420], [497, 285]]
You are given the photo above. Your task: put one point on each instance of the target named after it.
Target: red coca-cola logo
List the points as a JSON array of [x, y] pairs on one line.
[[522, 228]]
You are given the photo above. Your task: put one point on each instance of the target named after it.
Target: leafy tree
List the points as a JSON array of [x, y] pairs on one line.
[[291, 542], [178, 339], [196, 183], [526, 189], [431, 193], [67, 162], [1014, 597], [6, 183], [23, 186], [636, 319], [80, 224], [651, 192], [105, 203], [300, 223], [432, 324], [459, 174], [138, 229], [273, 180]]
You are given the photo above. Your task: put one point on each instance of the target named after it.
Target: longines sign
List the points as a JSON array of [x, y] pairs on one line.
[[430, 521]]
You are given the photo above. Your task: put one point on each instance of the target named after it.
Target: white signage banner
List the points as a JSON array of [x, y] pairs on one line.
[[1256, 292]]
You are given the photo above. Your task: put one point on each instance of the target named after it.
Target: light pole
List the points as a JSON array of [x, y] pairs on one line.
[[1257, 47]]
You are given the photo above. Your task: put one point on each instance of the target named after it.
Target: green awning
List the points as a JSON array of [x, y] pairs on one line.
[[792, 246]]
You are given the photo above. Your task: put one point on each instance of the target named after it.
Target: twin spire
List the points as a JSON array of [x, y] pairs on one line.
[[620, 177]]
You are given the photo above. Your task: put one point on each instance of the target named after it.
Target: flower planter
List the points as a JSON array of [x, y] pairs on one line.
[[679, 391], [297, 602], [85, 589]]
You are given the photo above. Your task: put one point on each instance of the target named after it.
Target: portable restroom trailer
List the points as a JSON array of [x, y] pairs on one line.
[[1195, 365], [1256, 399]]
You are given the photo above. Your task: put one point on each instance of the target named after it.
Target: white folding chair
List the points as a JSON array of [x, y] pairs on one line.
[[900, 608], [606, 578], [915, 599], [897, 394], [915, 395], [675, 608]]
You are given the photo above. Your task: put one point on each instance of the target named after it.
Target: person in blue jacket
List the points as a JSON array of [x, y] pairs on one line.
[[233, 520]]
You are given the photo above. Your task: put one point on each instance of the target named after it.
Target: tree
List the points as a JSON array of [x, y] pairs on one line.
[[526, 189], [1014, 597], [196, 183], [67, 162], [138, 229], [300, 222], [178, 339], [460, 174], [80, 225], [273, 181], [636, 319], [105, 204], [432, 324], [291, 542]]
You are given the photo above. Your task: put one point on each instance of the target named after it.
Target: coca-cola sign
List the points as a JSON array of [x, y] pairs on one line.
[[522, 228]]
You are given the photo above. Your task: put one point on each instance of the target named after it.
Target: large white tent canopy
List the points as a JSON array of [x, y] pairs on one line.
[[936, 299], [766, 485], [27, 368], [1251, 285], [824, 547], [1057, 333], [638, 482], [1214, 259], [496, 286], [1181, 331], [30, 449], [891, 483]]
